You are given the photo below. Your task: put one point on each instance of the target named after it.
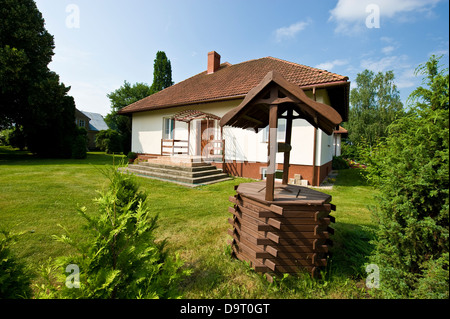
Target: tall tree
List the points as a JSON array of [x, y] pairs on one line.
[[123, 96], [31, 97], [162, 72], [128, 94], [375, 103]]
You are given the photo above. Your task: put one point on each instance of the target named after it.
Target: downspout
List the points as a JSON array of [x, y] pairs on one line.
[[314, 178]]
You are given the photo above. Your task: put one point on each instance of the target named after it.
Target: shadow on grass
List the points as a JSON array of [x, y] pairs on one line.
[[351, 177], [351, 249], [10, 156]]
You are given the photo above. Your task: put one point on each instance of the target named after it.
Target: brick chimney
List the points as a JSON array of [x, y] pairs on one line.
[[213, 62]]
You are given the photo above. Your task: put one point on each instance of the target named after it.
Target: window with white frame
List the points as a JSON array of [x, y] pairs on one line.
[[168, 124], [81, 123]]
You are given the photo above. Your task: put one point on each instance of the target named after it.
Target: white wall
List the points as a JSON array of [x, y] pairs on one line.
[[241, 145]]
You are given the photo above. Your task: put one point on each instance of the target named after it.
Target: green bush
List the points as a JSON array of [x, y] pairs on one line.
[[132, 155], [79, 145], [15, 137], [109, 141], [15, 280], [411, 171], [339, 163], [122, 259]]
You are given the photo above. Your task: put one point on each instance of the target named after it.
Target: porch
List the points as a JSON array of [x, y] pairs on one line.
[[207, 144]]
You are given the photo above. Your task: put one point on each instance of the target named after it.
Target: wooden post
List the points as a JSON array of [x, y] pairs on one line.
[[189, 137], [287, 140], [270, 177], [173, 138], [314, 178]]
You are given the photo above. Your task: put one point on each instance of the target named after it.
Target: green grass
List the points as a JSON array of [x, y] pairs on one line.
[[38, 194]]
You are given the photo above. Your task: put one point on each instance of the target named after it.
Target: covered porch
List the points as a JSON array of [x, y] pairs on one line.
[[205, 141]]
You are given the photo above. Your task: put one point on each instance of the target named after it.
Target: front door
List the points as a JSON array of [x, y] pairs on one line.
[[207, 129]]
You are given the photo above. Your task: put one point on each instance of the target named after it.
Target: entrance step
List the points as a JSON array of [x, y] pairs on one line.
[[200, 174]]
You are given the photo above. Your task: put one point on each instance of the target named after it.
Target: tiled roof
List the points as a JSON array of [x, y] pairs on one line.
[[232, 81]]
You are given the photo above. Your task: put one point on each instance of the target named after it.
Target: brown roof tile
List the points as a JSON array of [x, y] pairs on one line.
[[231, 81]]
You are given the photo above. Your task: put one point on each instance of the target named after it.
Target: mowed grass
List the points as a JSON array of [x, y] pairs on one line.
[[38, 194]]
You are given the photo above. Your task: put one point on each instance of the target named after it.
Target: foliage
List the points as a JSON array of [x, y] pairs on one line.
[[14, 137], [411, 170], [162, 73], [31, 96], [109, 141], [123, 259], [128, 94], [15, 280], [124, 96], [79, 145], [132, 155], [339, 163], [375, 103]]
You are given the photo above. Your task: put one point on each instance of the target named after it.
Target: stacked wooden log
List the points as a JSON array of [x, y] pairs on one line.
[[288, 235]]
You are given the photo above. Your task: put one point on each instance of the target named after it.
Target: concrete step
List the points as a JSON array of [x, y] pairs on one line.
[[199, 168], [206, 177], [175, 171]]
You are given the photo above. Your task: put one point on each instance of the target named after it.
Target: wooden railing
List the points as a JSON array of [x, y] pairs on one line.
[[215, 149], [175, 147]]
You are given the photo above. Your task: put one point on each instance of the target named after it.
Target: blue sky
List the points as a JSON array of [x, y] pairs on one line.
[[101, 43]]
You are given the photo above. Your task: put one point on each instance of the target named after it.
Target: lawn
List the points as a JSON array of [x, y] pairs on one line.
[[38, 194]]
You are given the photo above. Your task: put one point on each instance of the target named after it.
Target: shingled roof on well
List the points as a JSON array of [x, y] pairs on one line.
[[231, 81]]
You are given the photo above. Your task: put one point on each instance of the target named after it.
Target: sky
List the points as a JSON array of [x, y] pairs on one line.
[[99, 44]]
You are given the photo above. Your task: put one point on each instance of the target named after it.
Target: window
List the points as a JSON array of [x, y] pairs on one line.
[[281, 132], [278, 174], [81, 123], [168, 124]]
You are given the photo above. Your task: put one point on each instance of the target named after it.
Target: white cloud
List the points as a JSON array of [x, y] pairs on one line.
[[385, 64], [350, 15], [331, 64], [388, 49], [403, 71], [406, 79], [291, 31]]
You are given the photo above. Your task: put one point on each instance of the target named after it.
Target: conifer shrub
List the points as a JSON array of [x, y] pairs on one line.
[[15, 279], [411, 171], [122, 258]]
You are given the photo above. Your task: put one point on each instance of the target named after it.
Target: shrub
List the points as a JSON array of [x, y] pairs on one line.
[[123, 259], [15, 137], [80, 144], [132, 155], [339, 163], [411, 170], [109, 141], [15, 280]]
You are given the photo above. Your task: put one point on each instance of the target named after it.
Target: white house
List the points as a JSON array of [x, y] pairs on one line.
[[184, 119]]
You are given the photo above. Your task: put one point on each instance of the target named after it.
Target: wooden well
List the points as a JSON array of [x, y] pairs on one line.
[[280, 228], [288, 235]]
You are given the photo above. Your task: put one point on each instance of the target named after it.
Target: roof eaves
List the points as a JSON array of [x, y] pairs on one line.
[[197, 102]]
